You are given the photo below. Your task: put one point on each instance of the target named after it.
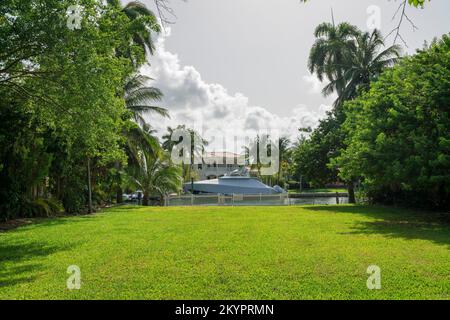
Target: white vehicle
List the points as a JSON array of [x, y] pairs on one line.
[[137, 195]]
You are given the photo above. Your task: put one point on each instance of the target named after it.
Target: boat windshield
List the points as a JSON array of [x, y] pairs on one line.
[[238, 173]]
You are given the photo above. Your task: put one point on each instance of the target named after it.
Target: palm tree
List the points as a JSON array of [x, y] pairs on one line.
[[253, 152], [167, 143], [365, 63], [146, 22], [349, 59], [156, 175], [140, 140], [139, 98], [196, 149], [330, 52], [139, 137], [283, 150], [143, 23]]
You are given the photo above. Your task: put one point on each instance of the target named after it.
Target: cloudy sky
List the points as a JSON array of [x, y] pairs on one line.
[[240, 66]]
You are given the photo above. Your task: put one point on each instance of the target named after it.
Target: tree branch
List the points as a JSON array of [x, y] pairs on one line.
[[397, 30]]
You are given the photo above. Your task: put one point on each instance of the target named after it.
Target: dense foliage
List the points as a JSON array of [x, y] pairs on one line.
[[388, 130], [312, 154], [69, 96], [349, 60], [398, 133], [391, 135]]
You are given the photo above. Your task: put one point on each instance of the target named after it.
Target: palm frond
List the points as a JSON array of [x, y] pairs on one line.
[[141, 109], [136, 8]]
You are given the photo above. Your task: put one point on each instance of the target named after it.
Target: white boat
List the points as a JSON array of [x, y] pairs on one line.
[[235, 183]]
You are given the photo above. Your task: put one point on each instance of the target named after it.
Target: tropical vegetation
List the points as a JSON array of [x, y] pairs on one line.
[[387, 133], [73, 104], [397, 134]]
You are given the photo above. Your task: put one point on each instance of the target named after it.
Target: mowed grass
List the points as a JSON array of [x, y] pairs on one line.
[[312, 252]]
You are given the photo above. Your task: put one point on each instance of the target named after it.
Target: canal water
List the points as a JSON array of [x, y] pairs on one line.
[[316, 200]]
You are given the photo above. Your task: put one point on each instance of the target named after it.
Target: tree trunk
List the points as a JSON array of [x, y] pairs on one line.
[[89, 185], [351, 193], [58, 187], [119, 193], [184, 171], [145, 199]]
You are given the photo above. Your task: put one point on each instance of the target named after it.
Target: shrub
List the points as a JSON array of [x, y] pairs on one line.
[[41, 208]]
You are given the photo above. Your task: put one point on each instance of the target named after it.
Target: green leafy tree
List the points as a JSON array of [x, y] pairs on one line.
[[330, 54], [349, 59], [139, 100], [398, 132], [66, 88], [313, 153], [363, 63]]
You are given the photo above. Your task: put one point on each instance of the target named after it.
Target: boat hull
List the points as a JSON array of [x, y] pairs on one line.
[[229, 185]]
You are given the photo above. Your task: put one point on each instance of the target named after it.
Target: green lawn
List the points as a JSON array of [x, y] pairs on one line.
[[317, 252]]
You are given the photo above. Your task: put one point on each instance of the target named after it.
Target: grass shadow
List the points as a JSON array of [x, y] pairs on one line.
[[396, 223], [17, 275], [20, 225], [14, 257]]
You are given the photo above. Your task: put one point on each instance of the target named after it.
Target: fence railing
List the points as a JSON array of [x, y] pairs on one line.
[[281, 199]]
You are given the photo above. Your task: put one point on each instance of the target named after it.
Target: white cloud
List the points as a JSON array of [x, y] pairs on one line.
[[209, 106], [315, 84]]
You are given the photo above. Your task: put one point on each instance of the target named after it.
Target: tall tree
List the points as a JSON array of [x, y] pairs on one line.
[[329, 54], [398, 132], [196, 150], [365, 60], [146, 22], [140, 98], [284, 153], [350, 60], [143, 23], [69, 86]]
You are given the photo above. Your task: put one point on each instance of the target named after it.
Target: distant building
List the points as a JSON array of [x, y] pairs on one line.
[[218, 164]]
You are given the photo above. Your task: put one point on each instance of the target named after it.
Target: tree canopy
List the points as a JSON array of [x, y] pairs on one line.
[[71, 98], [398, 132]]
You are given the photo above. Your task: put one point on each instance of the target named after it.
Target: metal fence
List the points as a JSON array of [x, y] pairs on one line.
[[228, 200], [252, 200]]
